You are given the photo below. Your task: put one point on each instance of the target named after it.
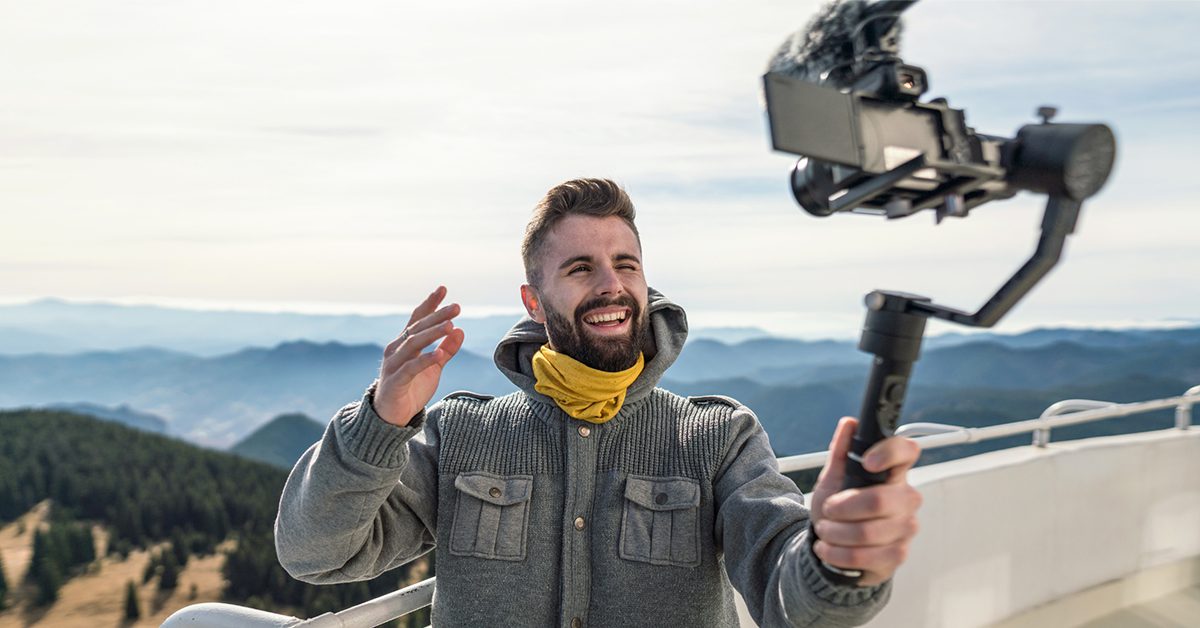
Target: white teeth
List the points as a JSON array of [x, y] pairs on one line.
[[604, 318]]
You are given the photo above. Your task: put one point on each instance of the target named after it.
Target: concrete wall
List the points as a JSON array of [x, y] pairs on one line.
[[1007, 531]]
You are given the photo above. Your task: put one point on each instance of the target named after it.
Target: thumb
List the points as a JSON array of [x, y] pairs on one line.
[[834, 474]]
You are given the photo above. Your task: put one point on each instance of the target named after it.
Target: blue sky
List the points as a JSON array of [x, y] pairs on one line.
[[350, 156]]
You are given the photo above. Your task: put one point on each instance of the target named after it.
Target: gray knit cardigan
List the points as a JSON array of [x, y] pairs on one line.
[[646, 520]]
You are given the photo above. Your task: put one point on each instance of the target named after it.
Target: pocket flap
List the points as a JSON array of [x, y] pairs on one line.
[[495, 489], [662, 493]]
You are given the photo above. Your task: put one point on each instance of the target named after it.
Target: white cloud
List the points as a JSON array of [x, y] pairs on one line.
[[361, 151]]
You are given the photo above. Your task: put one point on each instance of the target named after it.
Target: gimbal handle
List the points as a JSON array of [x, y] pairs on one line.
[[893, 331]]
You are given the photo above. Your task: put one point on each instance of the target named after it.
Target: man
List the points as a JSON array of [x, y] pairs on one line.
[[590, 497]]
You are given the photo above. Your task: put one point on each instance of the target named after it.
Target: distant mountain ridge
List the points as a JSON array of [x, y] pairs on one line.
[[217, 401], [122, 414], [57, 326], [1111, 338], [60, 327], [797, 387]]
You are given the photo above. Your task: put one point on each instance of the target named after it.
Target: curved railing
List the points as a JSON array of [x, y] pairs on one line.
[[929, 435]]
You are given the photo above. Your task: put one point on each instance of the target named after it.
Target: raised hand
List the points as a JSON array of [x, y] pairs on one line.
[[866, 528], [408, 378]]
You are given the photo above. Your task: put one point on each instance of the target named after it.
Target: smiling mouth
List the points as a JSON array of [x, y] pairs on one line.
[[607, 319]]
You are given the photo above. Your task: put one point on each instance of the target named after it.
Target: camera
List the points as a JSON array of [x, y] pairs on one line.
[[840, 96]]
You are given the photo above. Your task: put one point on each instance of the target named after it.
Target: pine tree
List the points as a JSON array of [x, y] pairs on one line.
[[179, 546], [48, 580], [133, 611], [83, 544], [169, 578], [152, 566], [44, 570]]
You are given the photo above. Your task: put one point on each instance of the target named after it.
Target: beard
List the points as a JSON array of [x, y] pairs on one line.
[[610, 354]]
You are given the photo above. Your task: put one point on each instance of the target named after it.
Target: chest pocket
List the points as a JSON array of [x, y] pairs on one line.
[[661, 522], [492, 515]]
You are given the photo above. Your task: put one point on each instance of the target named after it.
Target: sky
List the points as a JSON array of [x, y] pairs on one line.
[[350, 156]]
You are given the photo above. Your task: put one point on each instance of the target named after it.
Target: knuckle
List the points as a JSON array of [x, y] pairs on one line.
[[821, 550], [915, 498], [873, 501], [864, 534], [856, 557]]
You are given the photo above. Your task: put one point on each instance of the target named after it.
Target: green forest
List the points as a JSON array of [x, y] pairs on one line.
[[152, 491]]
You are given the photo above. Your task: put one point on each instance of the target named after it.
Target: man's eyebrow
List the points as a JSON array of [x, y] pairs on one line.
[[577, 258], [619, 257]]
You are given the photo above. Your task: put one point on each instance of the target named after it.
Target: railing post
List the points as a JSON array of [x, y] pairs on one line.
[[1041, 436], [1183, 411]]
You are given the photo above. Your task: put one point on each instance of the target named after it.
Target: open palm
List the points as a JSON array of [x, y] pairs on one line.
[[408, 378]]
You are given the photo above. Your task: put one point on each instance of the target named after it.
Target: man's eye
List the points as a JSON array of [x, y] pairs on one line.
[[627, 267], [577, 269]]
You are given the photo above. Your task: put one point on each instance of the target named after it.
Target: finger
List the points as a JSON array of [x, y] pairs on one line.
[[449, 345], [872, 502], [410, 369], [412, 347], [895, 454], [876, 560], [834, 473], [428, 305], [434, 318], [871, 533], [439, 357]]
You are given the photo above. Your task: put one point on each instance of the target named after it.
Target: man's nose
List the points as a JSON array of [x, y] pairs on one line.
[[608, 282]]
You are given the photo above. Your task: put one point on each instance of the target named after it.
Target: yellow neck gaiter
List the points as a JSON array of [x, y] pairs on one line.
[[580, 390]]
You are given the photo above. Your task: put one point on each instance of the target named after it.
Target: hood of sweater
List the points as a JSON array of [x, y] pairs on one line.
[[667, 333]]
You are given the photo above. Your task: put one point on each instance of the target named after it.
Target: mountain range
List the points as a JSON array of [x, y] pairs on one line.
[[62, 327], [798, 388]]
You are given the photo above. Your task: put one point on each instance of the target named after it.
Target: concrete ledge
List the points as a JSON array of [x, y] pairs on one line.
[[1010, 531], [1110, 597]]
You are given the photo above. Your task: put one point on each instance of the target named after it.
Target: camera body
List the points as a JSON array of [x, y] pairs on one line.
[[849, 105]]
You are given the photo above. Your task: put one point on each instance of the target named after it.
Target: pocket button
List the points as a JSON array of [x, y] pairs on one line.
[[660, 499], [495, 492]]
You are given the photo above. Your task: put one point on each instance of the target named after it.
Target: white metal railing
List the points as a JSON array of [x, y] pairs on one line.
[[929, 435], [370, 613], [1063, 413]]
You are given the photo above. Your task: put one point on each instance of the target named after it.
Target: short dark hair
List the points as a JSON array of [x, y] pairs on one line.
[[589, 197]]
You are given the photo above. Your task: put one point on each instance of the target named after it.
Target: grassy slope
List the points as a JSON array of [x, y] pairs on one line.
[[97, 598]]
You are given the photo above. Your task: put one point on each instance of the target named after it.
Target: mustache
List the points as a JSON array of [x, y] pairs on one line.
[[624, 300]]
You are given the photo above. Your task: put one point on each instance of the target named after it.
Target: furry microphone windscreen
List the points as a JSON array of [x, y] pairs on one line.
[[825, 45]]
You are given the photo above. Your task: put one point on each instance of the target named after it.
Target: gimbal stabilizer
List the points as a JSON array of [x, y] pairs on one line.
[[844, 100]]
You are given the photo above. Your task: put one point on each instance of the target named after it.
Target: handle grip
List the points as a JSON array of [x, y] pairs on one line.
[[893, 334]]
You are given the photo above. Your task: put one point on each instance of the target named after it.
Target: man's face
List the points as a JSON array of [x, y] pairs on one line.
[[592, 296]]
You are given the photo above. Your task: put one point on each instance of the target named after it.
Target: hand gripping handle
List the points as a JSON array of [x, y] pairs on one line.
[[893, 334]]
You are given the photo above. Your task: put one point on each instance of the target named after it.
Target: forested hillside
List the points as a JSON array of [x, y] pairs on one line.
[[150, 491]]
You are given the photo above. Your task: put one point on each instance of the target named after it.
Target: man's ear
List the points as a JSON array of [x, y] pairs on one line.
[[533, 303]]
